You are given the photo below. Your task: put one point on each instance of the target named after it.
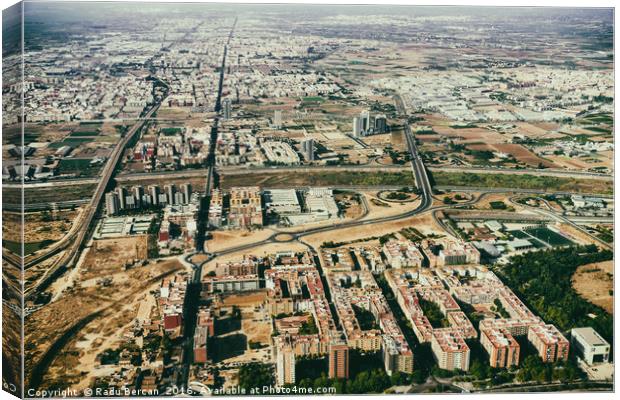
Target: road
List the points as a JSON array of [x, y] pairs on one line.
[[74, 239], [192, 298], [563, 219], [422, 183]]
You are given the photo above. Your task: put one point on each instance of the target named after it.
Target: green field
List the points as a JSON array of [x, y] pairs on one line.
[[598, 129], [549, 236], [83, 133], [81, 166], [525, 181], [344, 178], [171, 131], [519, 234], [71, 141], [602, 118]]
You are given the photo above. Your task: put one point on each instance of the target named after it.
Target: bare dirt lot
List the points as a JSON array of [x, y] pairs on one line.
[[98, 309], [253, 323], [222, 240], [594, 282], [47, 225], [424, 223], [109, 256]]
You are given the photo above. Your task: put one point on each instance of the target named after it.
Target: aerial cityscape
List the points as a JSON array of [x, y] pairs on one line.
[[231, 199]]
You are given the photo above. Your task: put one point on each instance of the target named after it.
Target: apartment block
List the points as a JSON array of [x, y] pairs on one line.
[[450, 350], [549, 342], [501, 346]]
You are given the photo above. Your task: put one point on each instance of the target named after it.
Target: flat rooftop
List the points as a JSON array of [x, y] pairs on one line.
[[590, 336]]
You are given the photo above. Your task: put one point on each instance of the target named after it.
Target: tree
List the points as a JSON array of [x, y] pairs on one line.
[[255, 375], [479, 370]]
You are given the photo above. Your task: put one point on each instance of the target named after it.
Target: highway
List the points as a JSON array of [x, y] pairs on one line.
[[422, 183], [242, 169], [74, 239]]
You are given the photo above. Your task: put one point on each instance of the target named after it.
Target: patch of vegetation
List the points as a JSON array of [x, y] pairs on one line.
[[365, 318], [309, 327], [534, 369], [598, 129], [255, 375], [466, 126], [498, 205], [433, 313], [397, 196], [171, 131], [543, 281], [340, 178], [79, 166], [525, 181]]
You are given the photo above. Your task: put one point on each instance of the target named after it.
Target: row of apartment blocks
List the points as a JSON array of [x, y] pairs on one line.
[[478, 286], [398, 254], [245, 208], [205, 329], [136, 198], [359, 289], [294, 285], [178, 226]]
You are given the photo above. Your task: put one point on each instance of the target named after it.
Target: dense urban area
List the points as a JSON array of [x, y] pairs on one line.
[[231, 199]]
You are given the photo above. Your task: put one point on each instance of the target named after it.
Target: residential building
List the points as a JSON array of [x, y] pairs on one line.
[[338, 361], [245, 207], [450, 350], [551, 345], [501, 346]]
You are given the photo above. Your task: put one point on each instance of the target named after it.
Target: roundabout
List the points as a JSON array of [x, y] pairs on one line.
[[283, 237]]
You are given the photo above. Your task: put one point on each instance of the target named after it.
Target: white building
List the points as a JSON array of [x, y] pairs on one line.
[[592, 348]]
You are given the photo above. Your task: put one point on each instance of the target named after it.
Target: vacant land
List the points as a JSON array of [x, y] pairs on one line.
[[48, 194], [595, 282], [108, 256], [424, 223], [294, 179], [526, 181], [222, 240], [100, 308], [40, 229]]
